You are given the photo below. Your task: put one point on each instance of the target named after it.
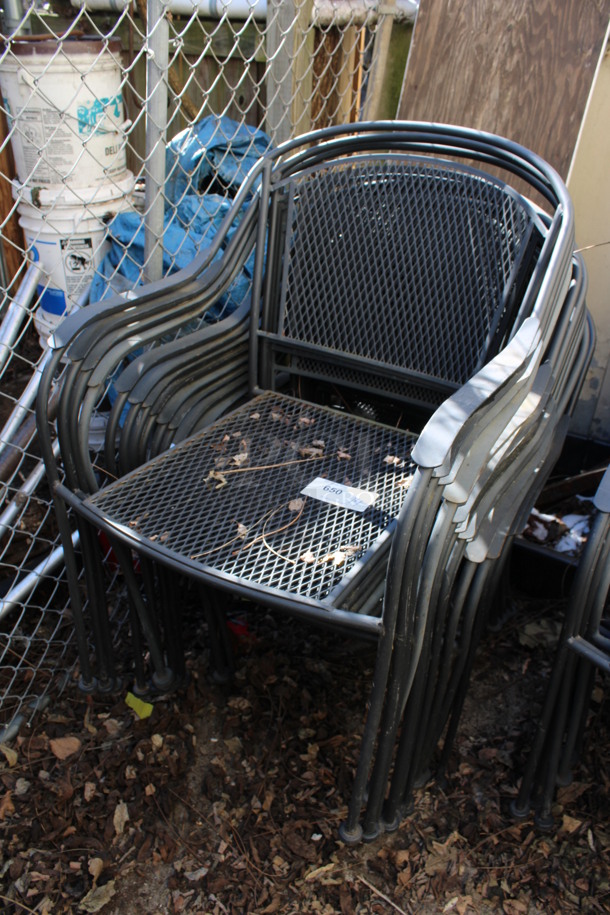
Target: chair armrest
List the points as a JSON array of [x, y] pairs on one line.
[[445, 430], [144, 371]]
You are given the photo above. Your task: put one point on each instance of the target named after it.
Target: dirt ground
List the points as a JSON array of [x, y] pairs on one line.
[[227, 799]]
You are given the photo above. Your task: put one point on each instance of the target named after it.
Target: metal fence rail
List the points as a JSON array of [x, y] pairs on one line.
[[124, 129]]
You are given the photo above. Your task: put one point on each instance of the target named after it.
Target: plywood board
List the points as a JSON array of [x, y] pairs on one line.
[[523, 70], [589, 186]]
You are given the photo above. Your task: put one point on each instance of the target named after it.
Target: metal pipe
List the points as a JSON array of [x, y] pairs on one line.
[[157, 65], [17, 312], [24, 588], [24, 492], [346, 12], [14, 21], [23, 405], [13, 455], [214, 9]]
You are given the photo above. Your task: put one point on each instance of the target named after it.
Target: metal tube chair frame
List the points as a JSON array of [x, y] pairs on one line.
[[583, 647], [464, 590], [372, 193]]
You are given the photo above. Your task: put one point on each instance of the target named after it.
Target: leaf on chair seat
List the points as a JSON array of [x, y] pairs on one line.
[[338, 557], [214, 476], [241, 458], [311, 451], [307, 556], [295, 505]]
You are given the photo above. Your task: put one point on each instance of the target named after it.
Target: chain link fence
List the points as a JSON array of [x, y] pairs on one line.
[[125, 129]]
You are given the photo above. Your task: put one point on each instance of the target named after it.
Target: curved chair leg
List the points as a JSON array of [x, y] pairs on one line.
[[163, 677], [411, 653], [96, 590], [405, 557], [221, 653], [551, 727]]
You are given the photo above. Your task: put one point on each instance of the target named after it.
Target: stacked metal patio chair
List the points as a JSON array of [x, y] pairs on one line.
[[357, 443], [584, 647]]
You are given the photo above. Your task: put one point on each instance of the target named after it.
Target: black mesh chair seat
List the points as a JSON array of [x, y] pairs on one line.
[[279, 494]]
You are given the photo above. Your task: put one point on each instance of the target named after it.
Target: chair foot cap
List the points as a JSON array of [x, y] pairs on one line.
[[373, 832], [519, 811], [350, 836], [164, 681], [544, 821], [109, 685], [87, 686], [392, 823]]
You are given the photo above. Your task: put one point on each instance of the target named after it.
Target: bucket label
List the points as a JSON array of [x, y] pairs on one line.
[[77, 259], [89, 115], [48, 142]]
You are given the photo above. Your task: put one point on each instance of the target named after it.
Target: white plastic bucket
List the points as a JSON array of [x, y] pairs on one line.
[[69, 241], [45, 324], [65, 107]]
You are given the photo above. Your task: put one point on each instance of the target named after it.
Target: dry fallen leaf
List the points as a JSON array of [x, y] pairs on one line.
[[98, 897], [120, 818], [311, 452], [239, 702], [9, 754], [570, 824], [96, 866], [196, 875], [22, 786], [241, 458], [307, 556], [62, 747], [295, 505], [242, 530], [7, 808], [216, 477], [319, 871], [112, 726], [337, 557]]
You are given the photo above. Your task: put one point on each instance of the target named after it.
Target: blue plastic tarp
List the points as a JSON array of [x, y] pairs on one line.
[[214, 148]]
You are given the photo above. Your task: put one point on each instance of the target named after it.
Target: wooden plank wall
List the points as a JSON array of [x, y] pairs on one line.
[[520, 69]]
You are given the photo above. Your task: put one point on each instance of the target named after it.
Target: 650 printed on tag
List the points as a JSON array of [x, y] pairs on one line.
[[357, 500]]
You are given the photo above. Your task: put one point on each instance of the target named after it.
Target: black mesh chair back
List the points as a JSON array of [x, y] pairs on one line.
[[393, 275]]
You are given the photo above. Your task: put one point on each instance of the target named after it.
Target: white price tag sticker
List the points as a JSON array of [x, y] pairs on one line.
[[358, 500]]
